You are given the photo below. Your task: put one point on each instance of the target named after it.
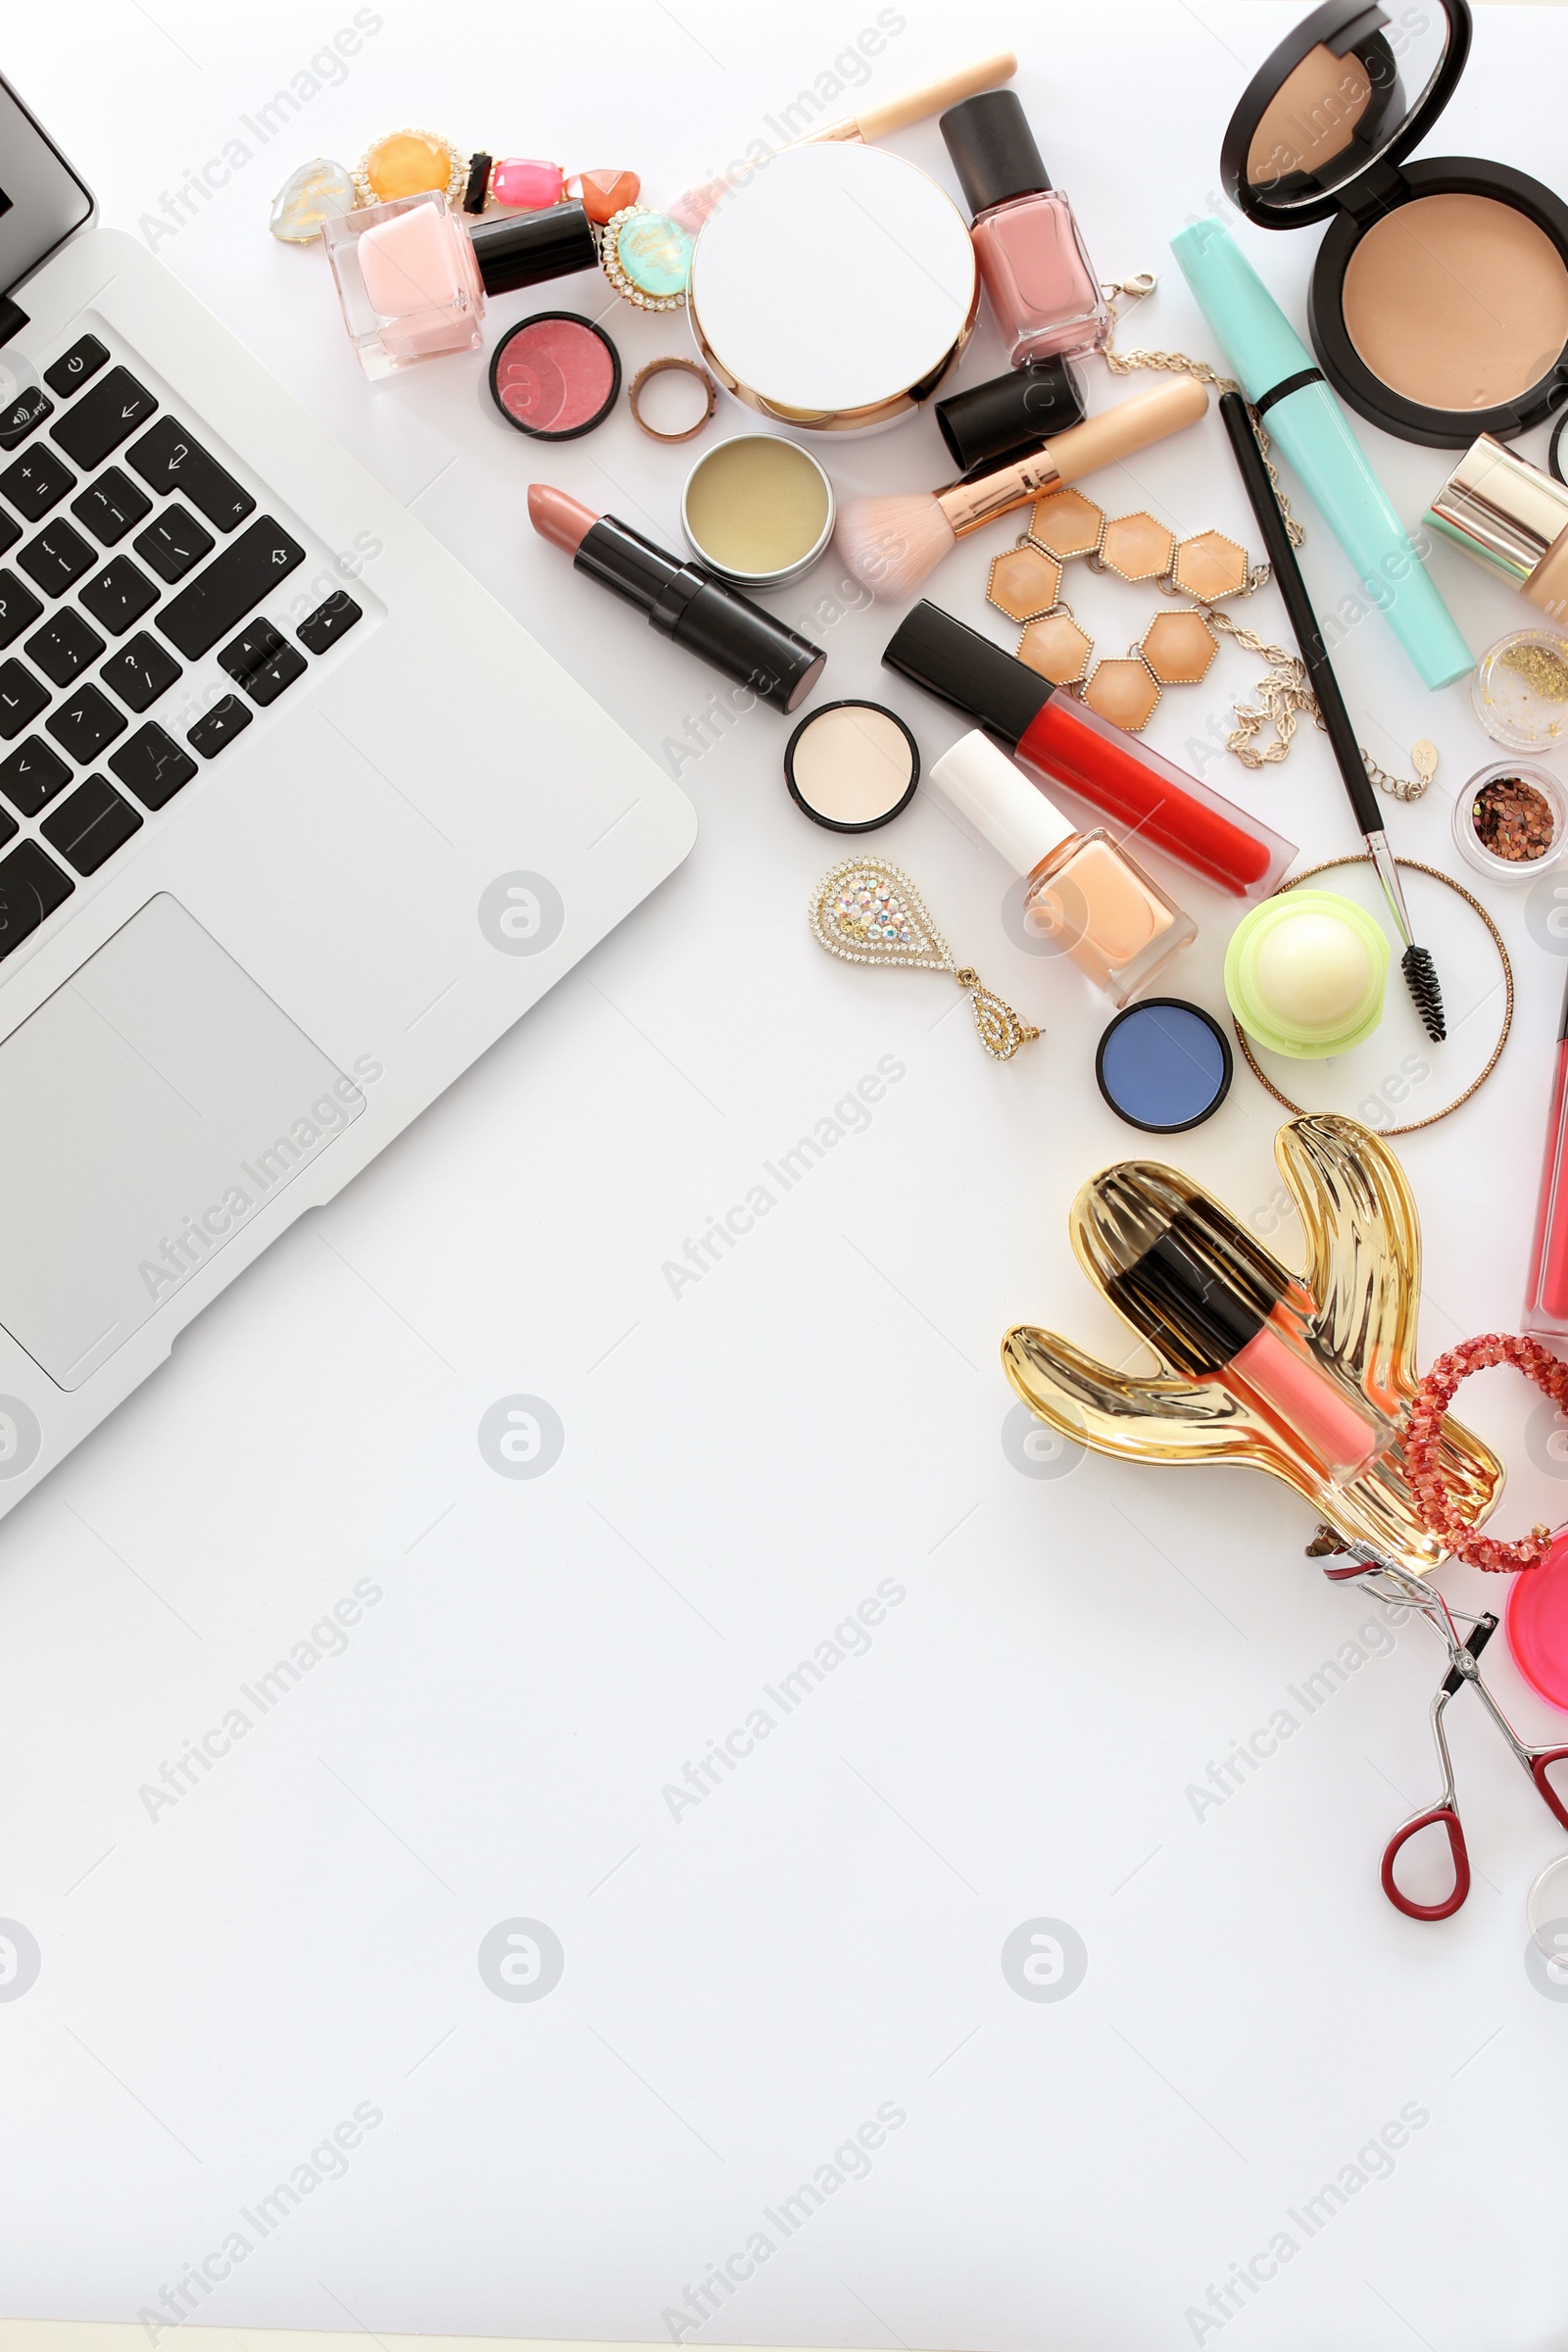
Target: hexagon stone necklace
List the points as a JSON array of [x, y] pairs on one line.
[[1177, 649]]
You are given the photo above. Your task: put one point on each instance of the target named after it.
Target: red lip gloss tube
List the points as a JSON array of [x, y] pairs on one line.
[[1545, 1313], [1052, 732]]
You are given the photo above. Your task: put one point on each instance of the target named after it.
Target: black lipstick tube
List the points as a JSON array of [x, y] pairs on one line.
[[697, 611]]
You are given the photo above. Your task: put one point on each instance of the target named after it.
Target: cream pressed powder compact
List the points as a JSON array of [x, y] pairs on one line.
[[1438, 302], [835, 288], [852, 766]]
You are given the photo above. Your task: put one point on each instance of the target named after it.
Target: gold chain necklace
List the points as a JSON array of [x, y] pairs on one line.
[[1282, 695]]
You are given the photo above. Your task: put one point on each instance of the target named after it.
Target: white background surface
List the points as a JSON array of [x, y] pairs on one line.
[[747, 1984]]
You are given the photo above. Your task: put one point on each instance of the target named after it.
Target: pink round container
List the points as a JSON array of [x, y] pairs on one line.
[[555, 376], [1536, 1621]]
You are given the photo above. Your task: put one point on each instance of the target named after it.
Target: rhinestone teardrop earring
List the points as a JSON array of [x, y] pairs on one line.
[[870, 912]]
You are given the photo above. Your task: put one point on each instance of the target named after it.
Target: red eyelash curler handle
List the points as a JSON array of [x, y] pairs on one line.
[[1541, 1760], [1453, 1901]]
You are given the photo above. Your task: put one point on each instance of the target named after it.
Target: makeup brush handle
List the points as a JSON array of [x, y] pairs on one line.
[[1132, 426], [931, 98]]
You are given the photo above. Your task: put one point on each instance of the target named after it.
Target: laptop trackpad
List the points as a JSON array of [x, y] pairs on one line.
[[149, 1108]]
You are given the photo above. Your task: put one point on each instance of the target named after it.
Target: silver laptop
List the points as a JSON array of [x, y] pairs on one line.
[[294, 819]]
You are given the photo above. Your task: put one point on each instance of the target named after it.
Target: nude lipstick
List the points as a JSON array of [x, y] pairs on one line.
[[1220, 1309], [1064, 743], [684, 602]]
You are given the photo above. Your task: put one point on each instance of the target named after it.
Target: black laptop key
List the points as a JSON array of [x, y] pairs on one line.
[[32, 775], [10, 530], [23, 415], [91, 825], [140, 671], [267, 681], [104, 417], [31, 887], [170, 459], [328, 622], [73, 367], [263, 662], [256, 643], [57, 558], [22, 698], [111, 505], [119, 595], [173, 543], [36, 481], [218, 727], [85, 725], [8, 828], [218, 598], [64, 646], [18, 607], [152, 765]]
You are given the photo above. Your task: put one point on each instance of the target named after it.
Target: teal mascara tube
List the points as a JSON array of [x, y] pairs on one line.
[[1284, 383]]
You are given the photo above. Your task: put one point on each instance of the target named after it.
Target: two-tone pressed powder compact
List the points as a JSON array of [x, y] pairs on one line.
[[1439, 303]]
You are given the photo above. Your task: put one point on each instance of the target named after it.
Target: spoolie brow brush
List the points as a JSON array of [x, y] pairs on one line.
[[1420, 973]]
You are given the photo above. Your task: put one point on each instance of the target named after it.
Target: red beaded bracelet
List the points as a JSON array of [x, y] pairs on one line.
[[1432, 1401]]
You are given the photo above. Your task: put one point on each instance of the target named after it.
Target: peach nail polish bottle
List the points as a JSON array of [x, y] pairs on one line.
[[1083, 892]]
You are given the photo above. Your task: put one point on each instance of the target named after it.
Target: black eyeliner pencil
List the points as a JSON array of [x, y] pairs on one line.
[[1416, 963]]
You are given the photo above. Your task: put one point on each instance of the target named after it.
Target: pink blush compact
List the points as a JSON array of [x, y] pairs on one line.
[[555, 376]]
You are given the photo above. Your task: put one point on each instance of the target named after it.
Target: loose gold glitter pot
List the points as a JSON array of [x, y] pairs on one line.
[[1438, 302], [757, 509], [1519, 690]]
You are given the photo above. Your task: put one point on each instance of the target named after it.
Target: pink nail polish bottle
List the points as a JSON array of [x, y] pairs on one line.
[[1033, 265], [408, 282]]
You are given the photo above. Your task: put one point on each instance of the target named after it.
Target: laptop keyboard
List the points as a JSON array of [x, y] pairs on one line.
[[128, 554]]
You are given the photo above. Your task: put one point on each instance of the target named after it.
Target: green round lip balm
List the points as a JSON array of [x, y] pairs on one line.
[[1306, 972]]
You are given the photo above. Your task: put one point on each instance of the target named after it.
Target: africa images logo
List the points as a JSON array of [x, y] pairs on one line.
[[179, 1255]]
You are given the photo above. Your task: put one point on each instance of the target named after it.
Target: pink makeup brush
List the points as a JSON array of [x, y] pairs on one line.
[[875, 122], [892, 543]]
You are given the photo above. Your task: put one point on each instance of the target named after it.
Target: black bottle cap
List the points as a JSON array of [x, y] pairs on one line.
[[993, 149], [972, 672], [1205, 1297], [990, 423], [532, 246]]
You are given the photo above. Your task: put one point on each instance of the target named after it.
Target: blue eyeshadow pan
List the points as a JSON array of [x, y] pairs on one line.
[[1164, 1065]]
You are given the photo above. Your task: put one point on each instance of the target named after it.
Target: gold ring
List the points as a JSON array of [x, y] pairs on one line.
[[659, 368], [1412, 865]]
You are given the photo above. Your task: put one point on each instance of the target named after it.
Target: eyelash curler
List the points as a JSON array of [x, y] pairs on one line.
[[1394, 1585]]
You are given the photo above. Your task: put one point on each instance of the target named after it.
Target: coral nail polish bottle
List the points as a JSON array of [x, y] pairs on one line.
[[1033, 265], [1083, 892]]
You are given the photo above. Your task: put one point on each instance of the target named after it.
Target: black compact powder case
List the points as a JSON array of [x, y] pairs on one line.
[[1403, 68]]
